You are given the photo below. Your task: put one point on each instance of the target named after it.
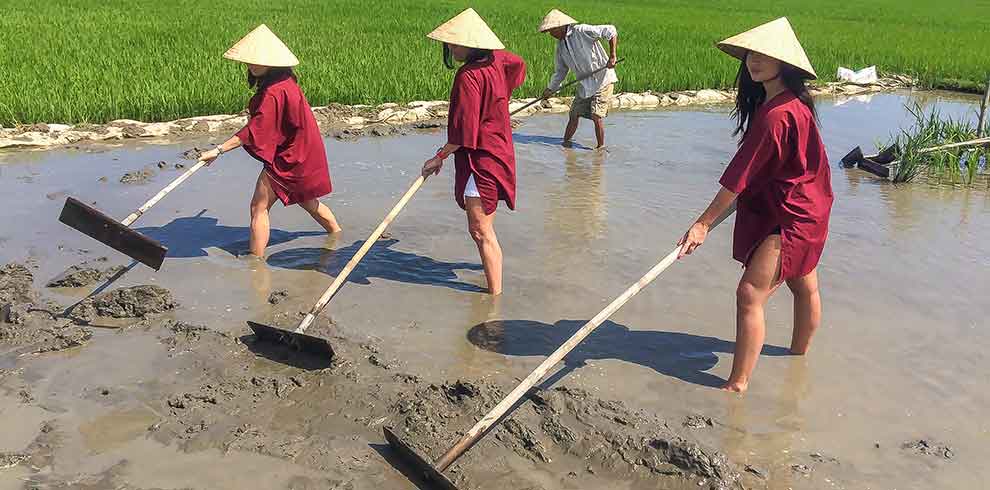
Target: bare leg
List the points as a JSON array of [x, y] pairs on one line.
[[807, 311], [572, 125], [322, 214], [261, 203], [599, 130], [482, 229], [756, 286]]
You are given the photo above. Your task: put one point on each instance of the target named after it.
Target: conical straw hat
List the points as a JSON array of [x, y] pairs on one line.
[[262, 47], [556, 18], [468, 29], [775, 39]]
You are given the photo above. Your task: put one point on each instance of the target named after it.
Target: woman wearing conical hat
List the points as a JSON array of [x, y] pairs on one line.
[[780, 182], [282, 134], [479, 133]]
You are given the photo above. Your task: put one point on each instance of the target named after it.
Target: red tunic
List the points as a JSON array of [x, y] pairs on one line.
[[283, 135], [783, 180], [479, 122]]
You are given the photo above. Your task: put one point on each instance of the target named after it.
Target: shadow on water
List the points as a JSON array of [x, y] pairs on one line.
[[190, 236], [538, 139], [381, 262], [680, 355]]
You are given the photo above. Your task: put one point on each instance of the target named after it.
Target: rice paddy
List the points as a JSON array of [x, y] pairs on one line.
[[72, 61]]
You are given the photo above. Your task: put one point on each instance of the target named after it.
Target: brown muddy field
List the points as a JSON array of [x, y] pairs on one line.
[[157, 382]]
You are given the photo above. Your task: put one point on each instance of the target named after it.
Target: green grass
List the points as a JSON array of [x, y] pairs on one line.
[[152, 60], [931, 129]]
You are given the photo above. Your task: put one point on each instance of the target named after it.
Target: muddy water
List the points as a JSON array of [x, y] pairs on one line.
[[898, 359]]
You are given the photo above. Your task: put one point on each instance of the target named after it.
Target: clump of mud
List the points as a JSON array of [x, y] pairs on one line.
[[131, 302], [15, 285], [84, 274], [929, 448], [278, 296], [184, 335], [137, 177], [24, 320], [377, 130], [193, 153], [698, 422]]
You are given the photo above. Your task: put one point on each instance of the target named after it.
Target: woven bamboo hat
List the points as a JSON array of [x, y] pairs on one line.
[[554, 19], [775, 39], [468, 29], [262, 47]]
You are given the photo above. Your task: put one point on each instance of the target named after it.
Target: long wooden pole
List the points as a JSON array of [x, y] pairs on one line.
[[129, 220], [976, 142], [351, 264], [496, 413]]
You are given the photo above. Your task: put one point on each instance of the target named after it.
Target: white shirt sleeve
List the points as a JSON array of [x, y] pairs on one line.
[[559, 72], [606, 31]]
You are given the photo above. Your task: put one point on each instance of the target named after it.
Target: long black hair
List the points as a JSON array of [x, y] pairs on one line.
[[474, 54], [271, 76], [751, 94]]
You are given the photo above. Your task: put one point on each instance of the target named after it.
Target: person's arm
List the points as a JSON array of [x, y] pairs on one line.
[[559, 74], [695, 236], [613, 45], [610, 33], [433, 165], [232, 143]]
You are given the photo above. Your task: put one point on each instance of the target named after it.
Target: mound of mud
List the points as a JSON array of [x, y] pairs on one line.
[[24, 321], [84, 274], [137, 176], [16, 282], [929, 448], [131, 302], [278, 296], [559, 421], [184, 335]]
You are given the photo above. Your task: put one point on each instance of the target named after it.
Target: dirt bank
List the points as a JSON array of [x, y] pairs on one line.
[[352, 122]]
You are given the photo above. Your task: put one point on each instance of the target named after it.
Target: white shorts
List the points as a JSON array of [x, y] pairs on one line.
[[471, 189]]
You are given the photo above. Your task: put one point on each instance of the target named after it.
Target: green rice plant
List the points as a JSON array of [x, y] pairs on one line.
[[932, 129], [72, 61]]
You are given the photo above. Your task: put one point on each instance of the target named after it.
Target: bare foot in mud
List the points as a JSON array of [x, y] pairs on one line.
[[735, 387]]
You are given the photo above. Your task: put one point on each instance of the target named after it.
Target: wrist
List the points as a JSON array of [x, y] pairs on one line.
[[219, 149], [441, 155]]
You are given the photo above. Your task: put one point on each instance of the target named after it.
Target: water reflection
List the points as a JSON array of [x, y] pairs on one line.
[[771, 449], [576, 206]]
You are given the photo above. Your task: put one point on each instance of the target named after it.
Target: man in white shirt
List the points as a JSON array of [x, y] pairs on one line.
[[579, 50]]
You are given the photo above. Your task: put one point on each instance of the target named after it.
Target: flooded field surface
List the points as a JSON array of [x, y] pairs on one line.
[[893, 394]]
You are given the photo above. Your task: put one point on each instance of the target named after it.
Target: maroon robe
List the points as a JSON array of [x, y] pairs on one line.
[[784, 183], [283, 135], [479, 122]]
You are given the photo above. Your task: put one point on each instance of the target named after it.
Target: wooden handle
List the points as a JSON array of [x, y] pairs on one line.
[[976, 142], [496, 413], [562, 87], [128, 221], [351, 264]]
